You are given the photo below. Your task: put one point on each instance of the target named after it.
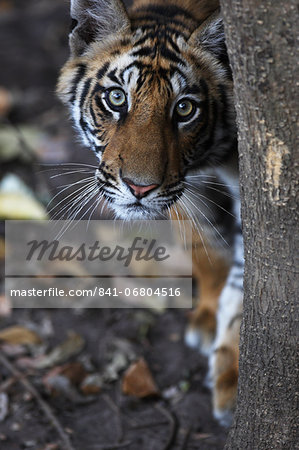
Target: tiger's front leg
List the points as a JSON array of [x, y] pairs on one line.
[[210, 270], [224, 359], [215, 323]]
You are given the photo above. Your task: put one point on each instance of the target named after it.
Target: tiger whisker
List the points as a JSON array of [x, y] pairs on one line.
[[227, 194], [71, 203], [196, 197], [60, 192], [62, 174], [207, 219], [69, 164], [209, 200], [221, 184], [71, 220], [96, 202], [183, 235], [83, 200], [65, 198], [77, 182], [201, 175], [198, 228]]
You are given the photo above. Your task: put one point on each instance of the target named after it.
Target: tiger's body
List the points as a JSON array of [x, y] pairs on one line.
[[150, 91]]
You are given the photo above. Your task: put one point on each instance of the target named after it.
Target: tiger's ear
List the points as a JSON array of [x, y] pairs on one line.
[[210, 36], [94, 20]]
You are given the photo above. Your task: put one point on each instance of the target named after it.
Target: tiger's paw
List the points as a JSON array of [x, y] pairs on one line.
[[224, 381], [201, 331]]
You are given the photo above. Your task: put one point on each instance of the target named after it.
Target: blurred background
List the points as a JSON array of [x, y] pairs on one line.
[[112, 378], [37, 143]]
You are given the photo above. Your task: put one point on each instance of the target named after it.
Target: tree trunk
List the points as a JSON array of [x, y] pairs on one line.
[[262, 51]]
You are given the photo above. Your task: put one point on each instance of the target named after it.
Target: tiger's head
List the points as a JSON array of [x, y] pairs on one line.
[[151, 94]]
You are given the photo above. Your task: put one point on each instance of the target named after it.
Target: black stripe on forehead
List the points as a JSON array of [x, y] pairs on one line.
[[159, 30], [145, 51], [135, 64], [102, 71], [170, 55], [162, 34], [113, 77], [139, 65], [147, 71], [173, 44], [165, 53]]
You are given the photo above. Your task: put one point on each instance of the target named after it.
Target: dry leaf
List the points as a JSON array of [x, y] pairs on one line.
[[18, 335], [63, 379], [60, 384], [71, 346], [74, 371], [138, 381]]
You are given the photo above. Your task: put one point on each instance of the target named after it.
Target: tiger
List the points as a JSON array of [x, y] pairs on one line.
[[150, 91]]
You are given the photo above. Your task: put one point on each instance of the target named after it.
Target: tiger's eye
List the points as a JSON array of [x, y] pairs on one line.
[[117, 98], [184, 108]]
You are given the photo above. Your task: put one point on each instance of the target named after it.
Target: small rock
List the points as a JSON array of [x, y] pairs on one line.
[[92, 384], [15, 426], [29, 444]]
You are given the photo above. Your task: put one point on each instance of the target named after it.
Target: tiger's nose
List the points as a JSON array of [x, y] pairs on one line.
[[139, 191]]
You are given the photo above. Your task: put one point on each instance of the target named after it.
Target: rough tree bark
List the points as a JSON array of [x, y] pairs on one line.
[[262, 50]]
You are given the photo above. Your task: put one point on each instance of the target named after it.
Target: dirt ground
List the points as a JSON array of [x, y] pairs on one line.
[[33, 45]]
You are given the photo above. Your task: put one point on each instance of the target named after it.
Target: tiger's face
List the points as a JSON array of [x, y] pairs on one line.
[[154, 107]]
